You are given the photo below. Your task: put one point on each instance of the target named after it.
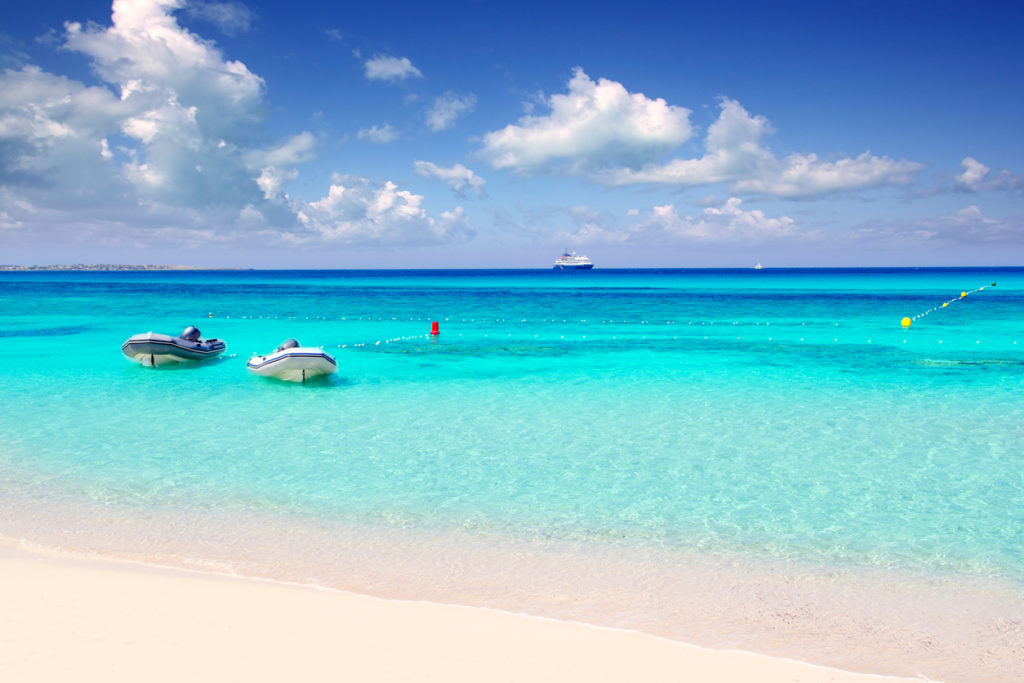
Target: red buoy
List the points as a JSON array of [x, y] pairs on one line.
[[434, 328]]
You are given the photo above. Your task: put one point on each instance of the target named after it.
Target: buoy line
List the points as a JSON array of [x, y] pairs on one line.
[[908, 321], [719, 323], [504, 321]]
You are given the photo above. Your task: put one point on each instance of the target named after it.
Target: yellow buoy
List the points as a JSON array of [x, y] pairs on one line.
[[905, 322], [945, 304], [963, 294]]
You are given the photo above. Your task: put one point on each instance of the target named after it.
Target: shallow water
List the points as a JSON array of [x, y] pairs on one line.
[[660, 418]]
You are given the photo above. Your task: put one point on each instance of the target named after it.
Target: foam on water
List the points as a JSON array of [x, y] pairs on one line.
[[681, 428]]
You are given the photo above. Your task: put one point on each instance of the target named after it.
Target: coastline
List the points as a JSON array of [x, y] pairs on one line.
[[879, 622], [72, 616]]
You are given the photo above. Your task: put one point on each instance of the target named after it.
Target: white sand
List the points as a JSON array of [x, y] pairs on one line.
[[73, 619]]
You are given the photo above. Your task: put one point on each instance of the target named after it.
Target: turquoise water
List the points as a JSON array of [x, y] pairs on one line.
[[778, 414]]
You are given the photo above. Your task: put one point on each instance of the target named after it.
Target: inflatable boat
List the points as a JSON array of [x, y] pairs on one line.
[[152, 349], [293, 363]]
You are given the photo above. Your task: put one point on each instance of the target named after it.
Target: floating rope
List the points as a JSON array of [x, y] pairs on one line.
[[906, 322]]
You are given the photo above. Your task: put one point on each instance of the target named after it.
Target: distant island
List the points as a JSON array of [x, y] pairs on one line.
[[106, 266]]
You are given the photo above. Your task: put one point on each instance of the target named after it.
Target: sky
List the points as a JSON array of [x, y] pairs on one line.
[[487, 134]]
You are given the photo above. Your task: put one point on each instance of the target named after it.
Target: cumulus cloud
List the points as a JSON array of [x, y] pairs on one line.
[[448, 108], [734, 150], [602, 131], [975, 178], [272, 181], [594, 125], [973, 175], [378, 134], [728, 223], [51, 129], [458, 177], [391, 69], [167, 145], [736, 154], [355, 211]]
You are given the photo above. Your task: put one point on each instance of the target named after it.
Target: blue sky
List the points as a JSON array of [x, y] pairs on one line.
[[486, 134]]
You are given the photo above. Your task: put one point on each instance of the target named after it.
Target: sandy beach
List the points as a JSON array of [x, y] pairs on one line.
[[73, 618]]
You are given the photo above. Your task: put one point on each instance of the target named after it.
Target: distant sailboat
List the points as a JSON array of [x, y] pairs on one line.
[[757, 266]]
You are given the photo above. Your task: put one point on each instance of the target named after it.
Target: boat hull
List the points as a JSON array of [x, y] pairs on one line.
[[293, 365], [586, 266], [152, 349]]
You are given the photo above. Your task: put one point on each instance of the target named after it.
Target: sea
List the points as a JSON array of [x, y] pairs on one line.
[[768, 460]]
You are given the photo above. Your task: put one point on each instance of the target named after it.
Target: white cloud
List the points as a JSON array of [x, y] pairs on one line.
[[233, 18], [458, 177], [295, 150], [145, 45], [448, 108], [392, 69], [272, 181], [973, 175], [735, 154], [8, 223], [975, 178], [593, 125], [663, 225], [803, 175], [168, 146], [378, 134], [964, 229], [726, 223], [603, 131], [355, 211], [51, 130], [970, 215], [734, 150]]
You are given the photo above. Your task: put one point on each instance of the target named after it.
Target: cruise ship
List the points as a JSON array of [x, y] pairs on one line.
[[571, 261]]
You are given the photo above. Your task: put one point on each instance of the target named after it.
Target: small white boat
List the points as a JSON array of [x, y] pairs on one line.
[[293, 363], [152, 349], [758, 266]]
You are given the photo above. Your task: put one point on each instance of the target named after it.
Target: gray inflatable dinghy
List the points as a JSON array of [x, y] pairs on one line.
[[152, 349]]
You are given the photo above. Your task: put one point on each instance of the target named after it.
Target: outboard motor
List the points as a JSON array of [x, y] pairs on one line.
[[287, 344], [190, 333]]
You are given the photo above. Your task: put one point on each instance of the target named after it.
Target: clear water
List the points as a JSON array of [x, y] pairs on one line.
[[776, 414]]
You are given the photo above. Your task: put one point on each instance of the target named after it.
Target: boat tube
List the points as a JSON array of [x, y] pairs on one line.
[[293, 363], [152, 349]]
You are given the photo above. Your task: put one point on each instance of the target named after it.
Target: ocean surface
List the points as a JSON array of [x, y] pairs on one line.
[[568, 437]]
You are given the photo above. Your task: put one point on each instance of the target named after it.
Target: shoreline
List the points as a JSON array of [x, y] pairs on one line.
[[882, 622], [70, 615]]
